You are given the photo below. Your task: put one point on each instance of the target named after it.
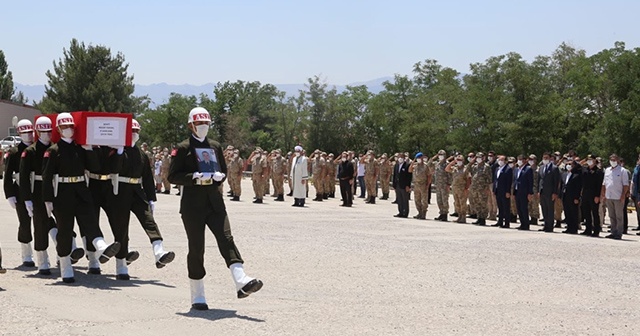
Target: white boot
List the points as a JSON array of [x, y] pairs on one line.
[[105, 251], [43, 262], [94, 263], [162, 257], [27, 255], [244, 285], [198, 302], [66, 270], [53, 233], [122, 271]]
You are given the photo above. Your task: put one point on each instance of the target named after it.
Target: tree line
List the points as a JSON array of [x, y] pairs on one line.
[[566, 100]]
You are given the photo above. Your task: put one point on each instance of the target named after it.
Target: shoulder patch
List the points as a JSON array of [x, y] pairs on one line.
[[6, 155], [24, 154], [46, 154], [174, 152]]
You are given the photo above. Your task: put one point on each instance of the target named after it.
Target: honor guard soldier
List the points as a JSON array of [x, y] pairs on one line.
[[31, 166], [12, 189], [202, 205], [135, 192], [64, 189]]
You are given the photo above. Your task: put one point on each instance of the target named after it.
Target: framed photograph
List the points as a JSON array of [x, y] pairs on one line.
[[207, 160]]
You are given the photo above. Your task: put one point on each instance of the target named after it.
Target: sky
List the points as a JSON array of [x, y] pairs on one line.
[[286, 42]]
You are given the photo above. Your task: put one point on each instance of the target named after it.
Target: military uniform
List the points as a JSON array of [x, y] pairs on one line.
[[386, 170], [166, 163], [259, 176], [534, 204], [459, 177], [371, 172], [11, 189], [318, 171], [442, 183], [235, 168], [330, 178], [278, 166], [481, 179], [421, 178]]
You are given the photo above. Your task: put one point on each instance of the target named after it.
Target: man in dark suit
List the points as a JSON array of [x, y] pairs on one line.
[[549, 181], [523, 191], [402, 185], [592, 178], [345, 175], [502, 180], [571, 191]]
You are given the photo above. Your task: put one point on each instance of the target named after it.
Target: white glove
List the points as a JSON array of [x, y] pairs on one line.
[[49, 206], [119, 148], [206, 176], [29, 206], [87, 147], [197, 175], [218, 176], [12, 201], [152, 206]]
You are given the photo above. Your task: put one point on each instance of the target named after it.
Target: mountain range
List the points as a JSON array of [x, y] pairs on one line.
[[159, 93]]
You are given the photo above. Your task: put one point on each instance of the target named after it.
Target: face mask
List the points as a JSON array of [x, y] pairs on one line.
[[479, 160], [440, 157], [460, 163], [500, 163], [258, 156], [297, 154], [344, 159], [569, 167], [590, 162], [400, 160], [45, 137], [469, 159], [382, 160], [26, 137], [545, 162], [531, 162], [613, 163], [67, 133], [135, 137], [419, 160], [520, 163], [511, 165], [202, 130]]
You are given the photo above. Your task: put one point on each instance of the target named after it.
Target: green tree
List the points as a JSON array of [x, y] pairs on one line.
[[167, 124], [89, 78], [6, 79]]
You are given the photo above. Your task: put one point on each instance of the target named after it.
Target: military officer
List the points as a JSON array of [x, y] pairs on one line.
[[534, 203], [164, 171], [371, 173], [318, 170], [235, 168], [421, 179], [330, 177], [202, 205], [443, 182], [278, 171], [460, 186], [481, 179], [259, 174]]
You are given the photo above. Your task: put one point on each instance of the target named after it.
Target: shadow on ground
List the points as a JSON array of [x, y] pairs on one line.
[[218, 314]]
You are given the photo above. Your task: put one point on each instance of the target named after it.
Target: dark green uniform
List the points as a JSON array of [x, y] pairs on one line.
[[73, 200], [11, 189], [201, 204], [136, 188], [101, 188], [32, 163]]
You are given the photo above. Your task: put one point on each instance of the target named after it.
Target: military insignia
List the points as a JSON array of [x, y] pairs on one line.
[[24, 154], [46, 154], [174, 152]]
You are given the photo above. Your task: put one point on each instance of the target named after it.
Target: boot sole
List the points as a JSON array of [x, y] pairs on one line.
[[111, 250], [165, 259], [250, 288], [76, 255], [132, 256]]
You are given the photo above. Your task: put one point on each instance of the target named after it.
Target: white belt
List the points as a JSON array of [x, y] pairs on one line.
[[16, 176], [37, 177], [71, 179], [99, 177], [130, 180]]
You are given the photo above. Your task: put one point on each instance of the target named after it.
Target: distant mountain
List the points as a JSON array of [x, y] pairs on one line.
[[159, 93]]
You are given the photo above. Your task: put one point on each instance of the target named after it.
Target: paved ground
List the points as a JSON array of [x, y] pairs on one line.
[[334, 271]]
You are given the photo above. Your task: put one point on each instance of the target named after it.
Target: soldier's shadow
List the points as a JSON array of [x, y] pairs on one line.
[[218, 314], [105, 282]]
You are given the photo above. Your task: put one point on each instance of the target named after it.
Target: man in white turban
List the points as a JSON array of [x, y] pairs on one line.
[[299, 176]]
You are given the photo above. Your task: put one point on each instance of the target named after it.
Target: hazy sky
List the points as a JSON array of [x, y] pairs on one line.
[[281, 42]]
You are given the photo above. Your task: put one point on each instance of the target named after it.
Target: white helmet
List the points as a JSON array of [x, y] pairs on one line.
[[64, 118], [199, 114], [135, 124], [24, 126], [43, 124]]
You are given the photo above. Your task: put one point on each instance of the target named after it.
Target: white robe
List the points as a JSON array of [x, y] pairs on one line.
[[299, 173]]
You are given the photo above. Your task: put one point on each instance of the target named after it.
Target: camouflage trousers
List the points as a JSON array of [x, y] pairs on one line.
[[384, 181], [421, 197], [278, 185], [493, 207], [370, 184], [234, 184], [165, 183], [514, 208], [478, 198], [460, 203], [534, 206], [258, 187], [442, 197], [329, 185], [557, 209], [318, 184], [266, 186]]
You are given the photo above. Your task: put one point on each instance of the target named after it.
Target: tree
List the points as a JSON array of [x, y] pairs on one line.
[[6, 79], [89, 78], [167, 124]]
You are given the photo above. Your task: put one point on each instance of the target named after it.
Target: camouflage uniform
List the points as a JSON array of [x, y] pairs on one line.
[[481, 179], [234, 169], [386, 170], [258, 169], [442, 183], [421, 173], [371, 172], [265, 155], [330, 177], [318, 172], [534, 204], [459, 175], [278, 166], [166, 163]]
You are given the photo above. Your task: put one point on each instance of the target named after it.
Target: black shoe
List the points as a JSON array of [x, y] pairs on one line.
[[69, 280], [325, 196], [534, 221], [505, 226], [596, 234], [481, 222], [521, 228], [123, 277], [636, 229], [290, 194], [586, 233], [416, 216], [455, 214], [132, 256], [558, 224], [236, 198], [76, 255], [473, 216], [165, 259], [280, 198], [200, 306], [258, 201], [373, 200], [250, 288], [44, 272], [94, 271], [638, 234], [394, 202], [167, 192], [111, 250], [398, 216], [3, 270], [28, 264], [514, 218]]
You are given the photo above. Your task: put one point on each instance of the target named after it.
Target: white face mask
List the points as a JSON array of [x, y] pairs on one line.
[[382, 160], [67, 133], [531, 162], [459, 163], [469, 159], [26, 137], [419, 160], [45, 137], [297, 154], [613, 163], [569, 167], [511, 165], [479, 160], [135, 137], [235, 155], [545, 162], [520, 163], [440, 157], [344, 159], [202, 130], [500, 163], [400, 160], [590, 162]]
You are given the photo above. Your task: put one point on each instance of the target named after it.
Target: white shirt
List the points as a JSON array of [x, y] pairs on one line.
[[157, 167], [360, 169], [614, 181]]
